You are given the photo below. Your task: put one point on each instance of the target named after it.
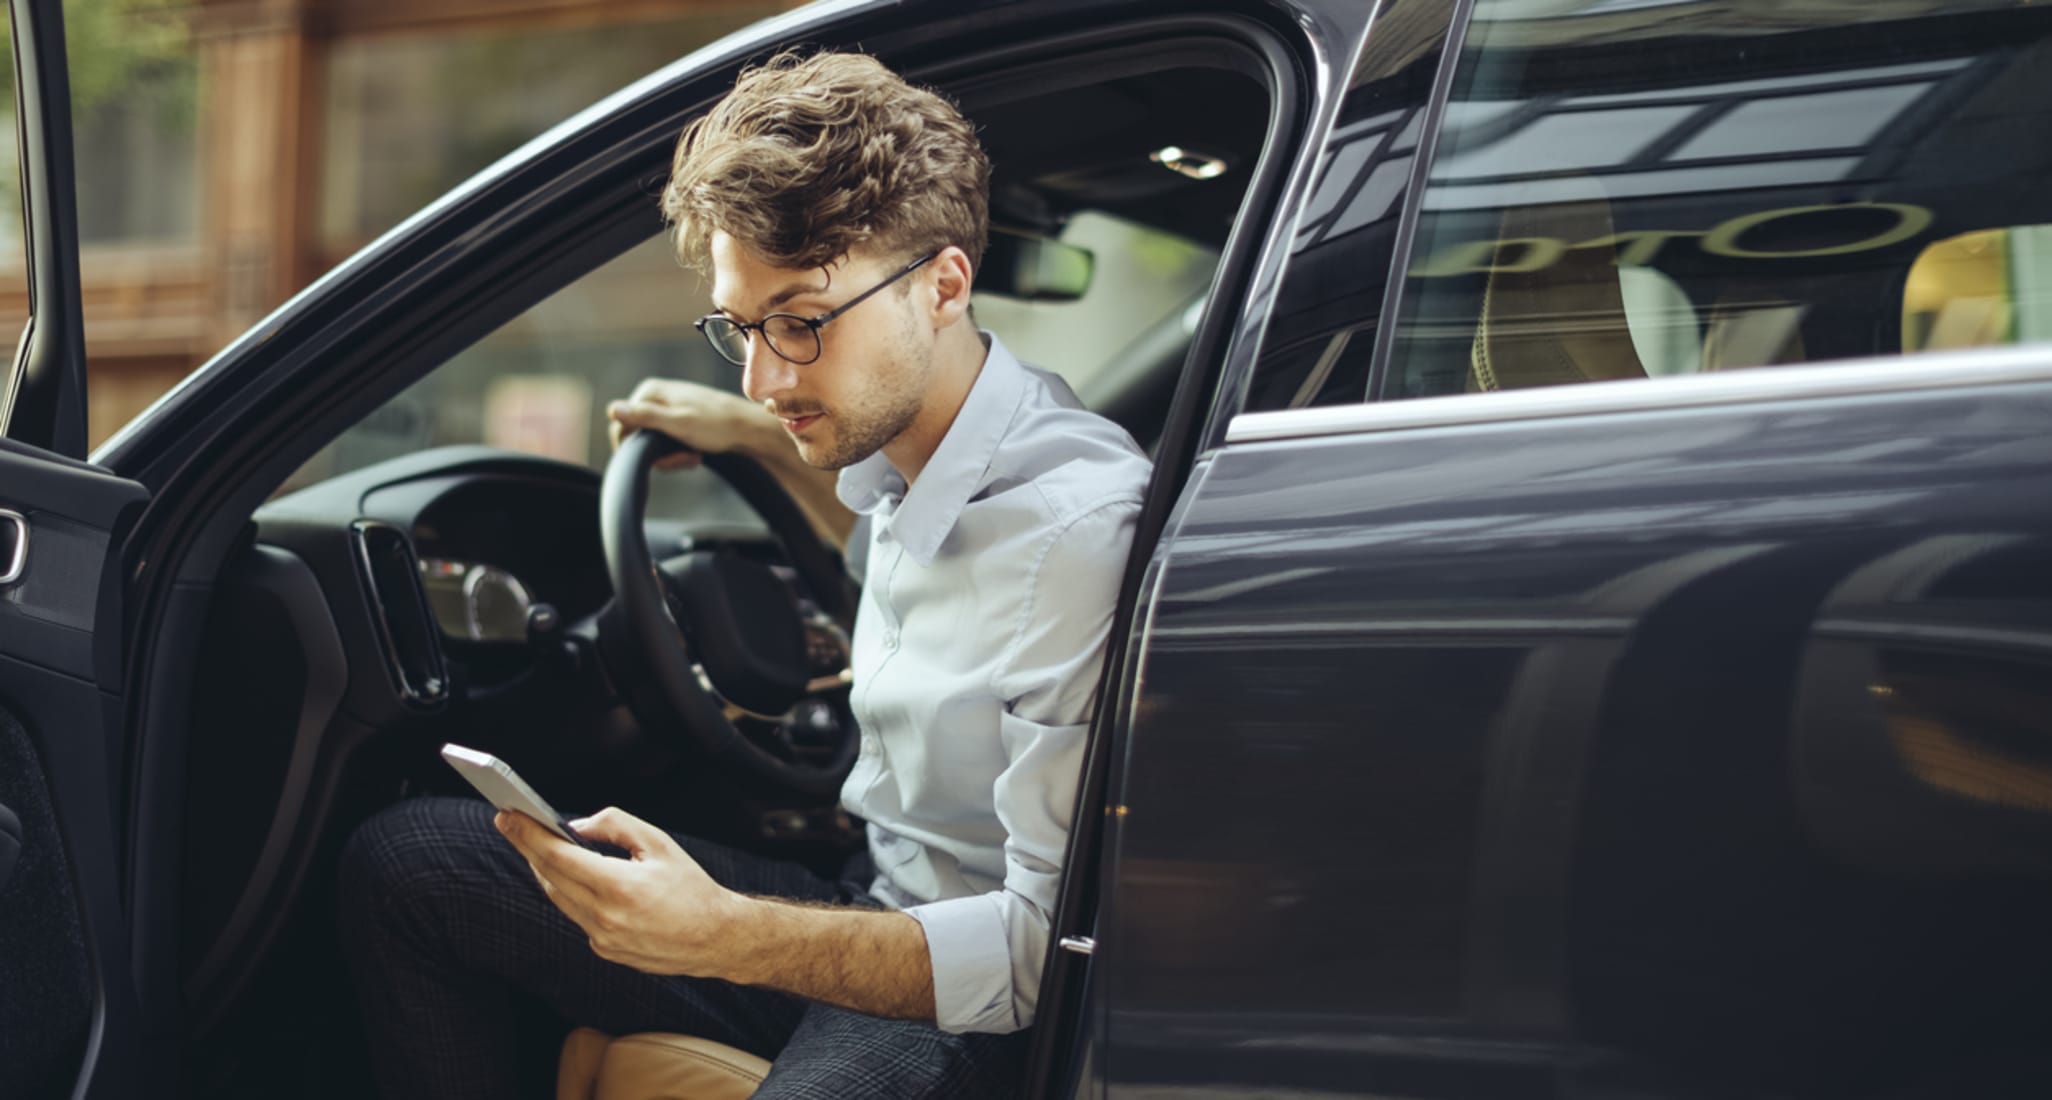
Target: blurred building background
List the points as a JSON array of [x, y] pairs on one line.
[[229, 151]]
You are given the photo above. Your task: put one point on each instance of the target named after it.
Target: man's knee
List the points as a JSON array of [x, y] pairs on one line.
[[408, 848]]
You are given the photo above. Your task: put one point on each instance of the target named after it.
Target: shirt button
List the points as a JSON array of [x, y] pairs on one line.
[[891, 640]]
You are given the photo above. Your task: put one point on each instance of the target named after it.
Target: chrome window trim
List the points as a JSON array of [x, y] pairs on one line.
[[17, 562], [1753, 385]]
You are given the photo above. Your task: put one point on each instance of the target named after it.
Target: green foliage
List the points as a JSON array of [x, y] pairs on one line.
[[121, 54], [119, 49]]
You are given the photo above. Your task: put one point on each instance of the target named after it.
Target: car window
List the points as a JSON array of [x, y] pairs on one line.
[[1627, 190], [1319, 340], [540, 383], [1142, 280]]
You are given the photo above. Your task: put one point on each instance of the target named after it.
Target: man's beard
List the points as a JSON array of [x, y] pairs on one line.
[[883, 416], [855, 440]]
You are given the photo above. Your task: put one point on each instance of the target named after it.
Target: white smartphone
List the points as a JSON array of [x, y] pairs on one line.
[[503, 787]]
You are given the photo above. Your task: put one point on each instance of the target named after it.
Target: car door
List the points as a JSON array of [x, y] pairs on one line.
[[68, 1023], [1605, 651]]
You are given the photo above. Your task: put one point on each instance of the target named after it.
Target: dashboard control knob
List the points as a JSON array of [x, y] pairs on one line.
[[543, 620]]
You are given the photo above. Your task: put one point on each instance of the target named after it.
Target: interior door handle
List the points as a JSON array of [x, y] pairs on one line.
[[14, 532], [10, 843]]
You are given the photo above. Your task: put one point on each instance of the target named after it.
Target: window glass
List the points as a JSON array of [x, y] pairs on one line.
[[1991, 286], [1320, 339], [541, 382], [1624, 190], [1143, 281]]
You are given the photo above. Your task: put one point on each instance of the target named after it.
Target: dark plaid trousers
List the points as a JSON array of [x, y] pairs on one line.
[[458, 960]]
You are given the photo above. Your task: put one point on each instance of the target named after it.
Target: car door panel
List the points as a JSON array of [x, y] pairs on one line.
[[69, 510], [62, 928], [46, 1009], [10, 843], [68, 1018], [1673, 749]]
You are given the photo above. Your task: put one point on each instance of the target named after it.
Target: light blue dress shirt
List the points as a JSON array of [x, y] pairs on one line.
[[988, 597]]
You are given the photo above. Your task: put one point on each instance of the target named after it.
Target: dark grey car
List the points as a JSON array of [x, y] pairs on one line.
[[1589, 635]]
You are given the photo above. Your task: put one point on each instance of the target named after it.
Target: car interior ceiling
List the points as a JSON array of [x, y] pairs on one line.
[[1080, 148]]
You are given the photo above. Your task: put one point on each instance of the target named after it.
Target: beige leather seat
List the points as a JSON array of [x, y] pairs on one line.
[[1562, 323], [1753, 330], [654, 1066]]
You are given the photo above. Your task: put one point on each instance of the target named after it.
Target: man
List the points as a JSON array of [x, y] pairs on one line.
[[842, 214]]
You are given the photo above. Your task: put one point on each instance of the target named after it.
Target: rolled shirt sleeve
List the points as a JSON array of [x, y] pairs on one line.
[[988, 950]]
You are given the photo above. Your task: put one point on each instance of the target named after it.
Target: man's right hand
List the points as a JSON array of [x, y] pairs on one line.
[[700, 417], [713, 421]]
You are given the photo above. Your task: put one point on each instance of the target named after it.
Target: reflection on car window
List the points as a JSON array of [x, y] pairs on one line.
[[1320, 339], [1632, 190], [1988, 287]]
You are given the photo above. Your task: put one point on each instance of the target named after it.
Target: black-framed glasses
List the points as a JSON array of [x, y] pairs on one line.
[[794, 338]]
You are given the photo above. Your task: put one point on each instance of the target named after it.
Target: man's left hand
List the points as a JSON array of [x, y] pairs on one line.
[[656, 911]]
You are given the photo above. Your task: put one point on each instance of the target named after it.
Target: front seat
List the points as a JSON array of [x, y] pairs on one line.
[[654, 1066]]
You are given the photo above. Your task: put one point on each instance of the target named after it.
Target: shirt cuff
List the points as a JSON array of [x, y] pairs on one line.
[[972, 964]]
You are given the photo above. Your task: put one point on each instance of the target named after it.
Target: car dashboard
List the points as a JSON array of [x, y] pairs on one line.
[[448, 595]]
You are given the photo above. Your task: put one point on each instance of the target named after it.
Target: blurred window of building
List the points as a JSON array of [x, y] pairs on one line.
[[408, 116], [134, 81], [134, 74]]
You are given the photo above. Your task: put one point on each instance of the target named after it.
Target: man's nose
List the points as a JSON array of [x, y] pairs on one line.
[[766, 374]]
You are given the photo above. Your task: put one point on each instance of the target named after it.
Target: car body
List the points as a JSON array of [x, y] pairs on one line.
[[1677, 732]]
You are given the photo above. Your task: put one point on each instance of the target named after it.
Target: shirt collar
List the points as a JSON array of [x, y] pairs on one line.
[[959, 466]]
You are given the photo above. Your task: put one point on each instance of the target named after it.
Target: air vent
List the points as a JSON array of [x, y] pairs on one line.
[[391, 576]]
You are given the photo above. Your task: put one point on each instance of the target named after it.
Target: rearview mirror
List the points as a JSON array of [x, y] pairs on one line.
[[1034, 268]]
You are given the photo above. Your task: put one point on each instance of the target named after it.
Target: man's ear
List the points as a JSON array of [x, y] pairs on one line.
[[952, 278]]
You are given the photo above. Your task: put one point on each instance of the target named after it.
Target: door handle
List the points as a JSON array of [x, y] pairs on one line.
[[14, 532], [10, 843]]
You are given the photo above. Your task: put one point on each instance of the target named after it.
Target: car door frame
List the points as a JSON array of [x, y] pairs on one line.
[[1071, 1043]]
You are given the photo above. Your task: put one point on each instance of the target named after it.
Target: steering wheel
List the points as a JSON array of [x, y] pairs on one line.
[[699, 640]]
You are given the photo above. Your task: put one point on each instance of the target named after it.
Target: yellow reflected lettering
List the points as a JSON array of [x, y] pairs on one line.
[[1723, 240], [1641, 246]]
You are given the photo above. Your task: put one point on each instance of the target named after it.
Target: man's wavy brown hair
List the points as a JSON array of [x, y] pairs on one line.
[[810, 157]]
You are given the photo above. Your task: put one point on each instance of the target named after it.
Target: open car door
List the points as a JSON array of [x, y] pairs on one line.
[[69, 1025]]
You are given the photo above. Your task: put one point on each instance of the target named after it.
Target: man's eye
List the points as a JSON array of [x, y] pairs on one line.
[[782, 325]]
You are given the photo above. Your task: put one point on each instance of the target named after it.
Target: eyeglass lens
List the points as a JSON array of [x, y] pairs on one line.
[[788, 335]]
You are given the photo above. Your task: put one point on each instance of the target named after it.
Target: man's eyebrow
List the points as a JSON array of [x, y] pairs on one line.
[[777, 299]]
